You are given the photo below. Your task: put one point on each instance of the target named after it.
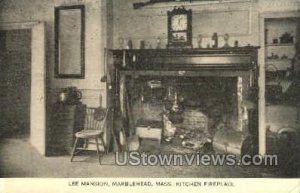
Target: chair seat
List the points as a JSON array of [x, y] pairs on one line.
[[88, 133]]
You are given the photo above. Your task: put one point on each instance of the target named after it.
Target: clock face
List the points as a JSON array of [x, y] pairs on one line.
[[179, 22]]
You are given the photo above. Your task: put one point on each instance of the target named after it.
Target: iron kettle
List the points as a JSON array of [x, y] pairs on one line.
[[70, 96]]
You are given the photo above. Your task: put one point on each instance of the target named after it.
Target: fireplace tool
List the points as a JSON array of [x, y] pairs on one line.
[[176, 111], [104, 77]]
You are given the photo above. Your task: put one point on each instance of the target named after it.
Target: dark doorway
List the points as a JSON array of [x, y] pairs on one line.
[[15, 82]]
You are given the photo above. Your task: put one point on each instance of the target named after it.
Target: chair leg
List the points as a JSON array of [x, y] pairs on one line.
[[98, 151], [74, 148], [104, 147], [85, 143]]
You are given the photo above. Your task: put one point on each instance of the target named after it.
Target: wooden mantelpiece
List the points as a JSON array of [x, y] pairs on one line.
[[242, 58]]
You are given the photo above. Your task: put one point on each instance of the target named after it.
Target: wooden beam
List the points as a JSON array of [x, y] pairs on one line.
[[261, 92], [202, 73], [18, 25]]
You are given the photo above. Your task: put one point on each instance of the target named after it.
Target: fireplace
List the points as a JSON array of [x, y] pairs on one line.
[[193, 95]]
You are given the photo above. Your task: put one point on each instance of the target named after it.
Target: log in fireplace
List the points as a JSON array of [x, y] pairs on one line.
[[197, 96]]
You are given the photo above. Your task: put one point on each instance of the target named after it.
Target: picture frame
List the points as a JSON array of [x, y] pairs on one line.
[[70, 41]]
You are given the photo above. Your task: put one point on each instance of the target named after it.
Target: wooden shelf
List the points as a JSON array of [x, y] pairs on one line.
[[279, 60], [282, 62], [278, 64], [278, 45], [272, 83]]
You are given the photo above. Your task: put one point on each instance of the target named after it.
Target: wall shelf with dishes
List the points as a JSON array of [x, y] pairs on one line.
[[280, 43], [281, 37]]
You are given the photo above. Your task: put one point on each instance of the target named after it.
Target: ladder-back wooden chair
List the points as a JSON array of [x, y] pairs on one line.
[[94, 124]]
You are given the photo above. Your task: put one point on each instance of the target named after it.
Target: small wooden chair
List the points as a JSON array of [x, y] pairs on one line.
[[93, 129]]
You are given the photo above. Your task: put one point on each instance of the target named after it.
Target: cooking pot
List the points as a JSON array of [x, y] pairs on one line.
[[69, 95]]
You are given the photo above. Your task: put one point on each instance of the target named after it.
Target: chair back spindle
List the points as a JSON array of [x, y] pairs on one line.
[[91, 122]]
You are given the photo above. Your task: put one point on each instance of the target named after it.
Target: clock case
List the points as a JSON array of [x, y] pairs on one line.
[[188, 31]]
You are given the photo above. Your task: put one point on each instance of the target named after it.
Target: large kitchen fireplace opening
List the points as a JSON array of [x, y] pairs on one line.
[[188, 110], [186, 100]]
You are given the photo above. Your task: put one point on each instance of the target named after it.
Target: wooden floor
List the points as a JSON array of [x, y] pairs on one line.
[[19, 159]]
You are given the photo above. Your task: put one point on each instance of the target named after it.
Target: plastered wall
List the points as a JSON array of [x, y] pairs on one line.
[[95, 41]]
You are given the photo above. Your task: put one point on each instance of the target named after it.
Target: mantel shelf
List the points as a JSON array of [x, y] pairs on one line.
[[190, 50], [240, 58], [202, 73]]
